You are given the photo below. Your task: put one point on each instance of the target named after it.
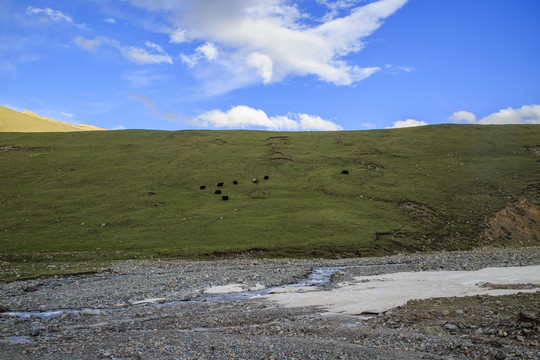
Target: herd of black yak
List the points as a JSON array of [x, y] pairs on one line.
[[235, 182]]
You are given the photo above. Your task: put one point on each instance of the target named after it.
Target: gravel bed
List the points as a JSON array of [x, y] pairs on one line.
[[103, 317]]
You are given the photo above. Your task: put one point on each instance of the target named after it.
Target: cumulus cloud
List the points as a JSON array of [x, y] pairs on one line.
[[54, 15], [241, 117], [408, 123], [207, 51], [268, 40], [245, 117], [527, 114], [461, 116], [154, 54], [263, 64], [110, 21]]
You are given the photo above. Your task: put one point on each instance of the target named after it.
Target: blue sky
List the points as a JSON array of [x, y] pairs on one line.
[[272, 64]]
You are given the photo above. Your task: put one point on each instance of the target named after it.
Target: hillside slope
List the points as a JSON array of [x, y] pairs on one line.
[[28, 121], [138, 192]]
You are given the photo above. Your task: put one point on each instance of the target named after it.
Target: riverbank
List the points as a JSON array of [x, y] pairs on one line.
[[165, 309]]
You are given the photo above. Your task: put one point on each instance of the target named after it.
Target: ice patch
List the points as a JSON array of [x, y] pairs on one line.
[[379, 293], [225, 289]]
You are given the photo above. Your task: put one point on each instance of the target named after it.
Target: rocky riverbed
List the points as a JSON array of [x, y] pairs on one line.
[[177, 310]]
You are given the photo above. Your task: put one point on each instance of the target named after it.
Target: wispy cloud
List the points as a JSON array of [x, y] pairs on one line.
[[142, 56], [110, 21], [93, 44], [153, 54], [153, 110], [266, 41], [527, 114], [141, 78], [54, 15]]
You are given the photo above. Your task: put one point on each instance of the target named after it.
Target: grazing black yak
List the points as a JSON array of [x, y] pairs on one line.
[[202, 187], [217, 192], [224, 197], [219, 184], [345, 172], [235, 182], [265, 177]]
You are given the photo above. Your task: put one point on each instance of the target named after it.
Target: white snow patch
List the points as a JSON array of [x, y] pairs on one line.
[[379, 293], [225, 289], [148, 301]]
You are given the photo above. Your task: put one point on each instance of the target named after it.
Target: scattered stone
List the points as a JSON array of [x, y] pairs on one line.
[[148, 301], [31, 289], [195, 326], [433, 331], [36, 330], [90, 312], [528, 316]]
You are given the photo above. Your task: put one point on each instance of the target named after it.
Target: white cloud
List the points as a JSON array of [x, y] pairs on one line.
[[178, 36], [67, 115], [334, 7], [527, 114], [141, 56], [408, 123], [136, 54], [244, 117], [263, 64], [90, 44], [54, 15], [460, 116], [110, 21], [241, 117], [268, 40], [155, 47], [207, 51]]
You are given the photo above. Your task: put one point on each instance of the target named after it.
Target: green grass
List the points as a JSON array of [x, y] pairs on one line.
[[136, 193]]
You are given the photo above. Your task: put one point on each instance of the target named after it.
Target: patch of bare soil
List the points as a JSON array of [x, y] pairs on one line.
[[535, 149], [518, 224], [281, 160], [278, 140], [372, 165], [420, 211]]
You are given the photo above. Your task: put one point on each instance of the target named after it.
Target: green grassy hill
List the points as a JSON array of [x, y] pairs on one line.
[[14, 121], [137, 193]]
